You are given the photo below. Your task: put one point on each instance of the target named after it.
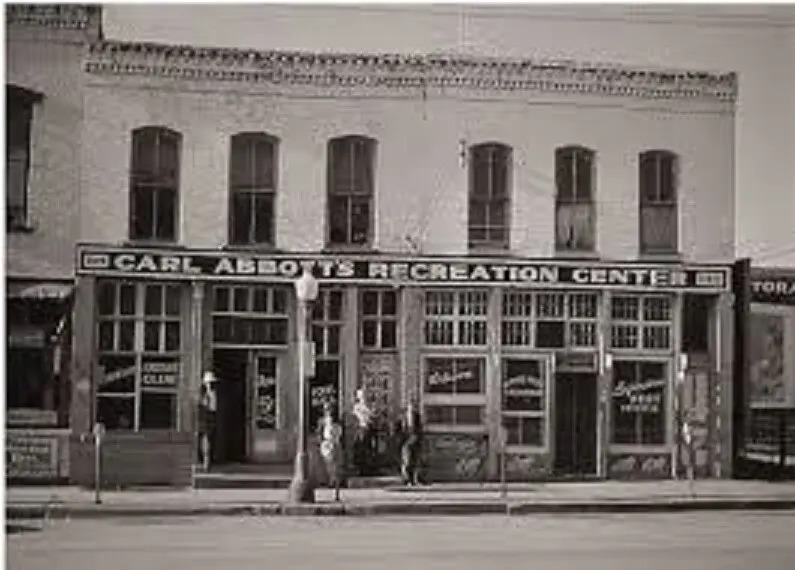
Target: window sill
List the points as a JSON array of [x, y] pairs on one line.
[[660, 256], [20, 228], [348, 248], [489, 250], [252, 248], [576, 254], [152, 244]]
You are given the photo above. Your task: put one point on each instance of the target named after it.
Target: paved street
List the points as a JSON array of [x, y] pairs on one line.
[[692, 541]]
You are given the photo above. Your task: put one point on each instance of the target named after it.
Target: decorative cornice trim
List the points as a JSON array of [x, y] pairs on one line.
[[58, 16], [392, 71]]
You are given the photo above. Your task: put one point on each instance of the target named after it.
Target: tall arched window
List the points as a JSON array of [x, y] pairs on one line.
[[19, 120], [490, 168], [252, 189], [575, 215], [154, 184], [351, 187], [659, 212]]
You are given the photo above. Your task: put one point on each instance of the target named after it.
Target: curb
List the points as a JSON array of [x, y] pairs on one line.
[[16, 512]]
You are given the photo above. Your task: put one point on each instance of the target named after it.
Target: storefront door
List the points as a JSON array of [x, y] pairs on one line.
[[575, 424], [263, 406]]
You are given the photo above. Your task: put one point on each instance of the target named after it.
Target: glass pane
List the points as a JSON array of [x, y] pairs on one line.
[[523, 386], [241, 299], [117, 374], [468, 376], [388, 303], [499, 173], [323, 388], [263, 226], [564, 175], [550, 334], [240, 163], [335, 306], [172, 300], [647, 178], [480, 172], [142, 212], [222, 329], [333, 340], [116, 413], [439, 376], [241, 218], [575, 227], [341, 166], [166, 213], [477, 213], [532, 431], [388, 334], [659, 228], [338, 219], [106, 298], [439, 415], [497, 213], [370, 334], [105, 336], [625, 308], [172, 336], [144, 153], [153, 300], [369, 303], [468, 415], [159, 372], [279, 301], [260, 300], [360, 221], [169, 160], [584, 175], [126, 335], [221, 299], [363, 164], [667, 166], [263, 164], [152, 336], [127, 299], [158, 410]]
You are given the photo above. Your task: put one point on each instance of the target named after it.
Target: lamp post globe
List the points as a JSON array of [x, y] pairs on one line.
[[302, 489]]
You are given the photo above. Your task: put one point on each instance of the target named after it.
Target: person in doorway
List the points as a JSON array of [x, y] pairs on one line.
[[411, 449], [208, 407], [331, 449], [363, 453]]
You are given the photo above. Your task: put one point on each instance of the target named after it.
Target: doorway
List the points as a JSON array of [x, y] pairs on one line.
[[575, 424], [230, 438]]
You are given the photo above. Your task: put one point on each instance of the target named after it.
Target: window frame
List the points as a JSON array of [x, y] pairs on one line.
[[658, 202], [352, 194], [244, 317], [569, 156], [160, 185], [489, 154], [21, 104], [544, 415], [249, 142], [458, 319], [641, 323], [138, 353], [323, 322], [379, 319], [667, 408]]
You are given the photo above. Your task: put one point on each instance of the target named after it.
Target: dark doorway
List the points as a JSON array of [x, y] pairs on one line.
[[230, 441], [575, 424]]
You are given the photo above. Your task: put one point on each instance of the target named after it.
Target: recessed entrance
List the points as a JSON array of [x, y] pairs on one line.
[[575, 424]]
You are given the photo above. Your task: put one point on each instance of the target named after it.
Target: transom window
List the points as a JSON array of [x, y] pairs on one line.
[[456, 317], [550, 320], [489, 195], [154, 184], [641, 322], [575, 219], [19, 118], [351, 187], [378, 319], [252, 189], [250, 316], [138, 346], [659, 227]]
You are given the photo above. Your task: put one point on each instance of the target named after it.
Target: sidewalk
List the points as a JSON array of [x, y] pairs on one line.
[[438, 499]]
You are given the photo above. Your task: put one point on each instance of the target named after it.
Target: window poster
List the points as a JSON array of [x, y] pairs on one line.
[[772, 356], [377, 378], [324, 388]]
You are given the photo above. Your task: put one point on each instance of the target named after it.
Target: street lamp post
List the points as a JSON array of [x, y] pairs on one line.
[[302, 489]]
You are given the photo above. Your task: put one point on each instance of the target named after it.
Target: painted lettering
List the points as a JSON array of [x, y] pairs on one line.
[[288, 268], [224, 266], [246, 266], [480, 272], [124, 262], [419, 271], [345, 269], [458, 272], [438, 272]]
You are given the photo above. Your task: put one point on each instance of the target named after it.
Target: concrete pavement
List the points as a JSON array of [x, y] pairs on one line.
[[603, 496]]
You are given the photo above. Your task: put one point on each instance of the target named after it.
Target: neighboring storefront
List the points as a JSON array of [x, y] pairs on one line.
[[769, 436], [575, 366], [37, 380]]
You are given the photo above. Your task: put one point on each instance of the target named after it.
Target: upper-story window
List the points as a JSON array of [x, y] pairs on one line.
[[19, 118], [489, 195], [659, 213], [154, 184], [351, 186], [252, 189], [575, 215]]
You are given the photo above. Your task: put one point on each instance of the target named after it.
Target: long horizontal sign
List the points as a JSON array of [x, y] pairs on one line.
[[773, 287], [225, 266]]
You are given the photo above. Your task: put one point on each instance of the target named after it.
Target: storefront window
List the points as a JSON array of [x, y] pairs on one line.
[[523, 401], [550, 320], [454, 391], [456, 318], [138, 340], [327, 319], [639, 402], [641, 322]]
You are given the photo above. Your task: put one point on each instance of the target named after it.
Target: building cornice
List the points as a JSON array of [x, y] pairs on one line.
[[392, 71], [53, 16]]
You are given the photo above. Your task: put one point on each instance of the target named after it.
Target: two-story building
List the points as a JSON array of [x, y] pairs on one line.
[[45, 47], [538, 253]]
